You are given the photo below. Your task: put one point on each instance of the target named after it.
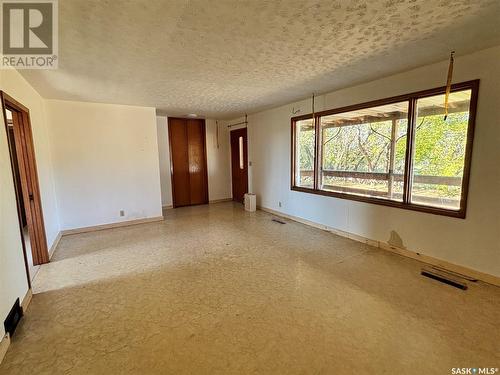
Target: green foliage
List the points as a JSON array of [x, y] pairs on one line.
[[306, 148], [439, 151], [306, 143], [440, 145], [364, 147]]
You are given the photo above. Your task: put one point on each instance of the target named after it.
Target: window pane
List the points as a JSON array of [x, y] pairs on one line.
[[304, 157], [240, 143], [363, 151], [439, 152]]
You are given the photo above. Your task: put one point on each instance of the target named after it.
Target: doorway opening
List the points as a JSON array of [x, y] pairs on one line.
[[23, 163], [239, 164]]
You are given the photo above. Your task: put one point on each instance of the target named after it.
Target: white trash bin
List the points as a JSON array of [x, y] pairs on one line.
[[250, 202]]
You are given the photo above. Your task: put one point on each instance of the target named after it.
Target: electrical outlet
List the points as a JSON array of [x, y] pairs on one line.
[[122, 212]]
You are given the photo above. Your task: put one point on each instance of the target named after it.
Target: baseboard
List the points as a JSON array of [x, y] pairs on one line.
[[451, 267], [443, 264], [168, 207], [220, 200], [26, 300], [341, 233], [4, 346], [54, 244], [111, 225]]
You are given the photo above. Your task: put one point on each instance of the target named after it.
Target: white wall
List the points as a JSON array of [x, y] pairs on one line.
[[105, 160], [164, 158], [13, 280], [17, 87], [473, 242], [218, 161]]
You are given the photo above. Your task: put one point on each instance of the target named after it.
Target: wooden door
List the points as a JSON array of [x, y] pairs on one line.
[[197, 162], [239, 163], [26, 163], [188, 161], [179, 162]]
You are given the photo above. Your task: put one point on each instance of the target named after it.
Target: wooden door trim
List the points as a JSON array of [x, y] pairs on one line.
[[172, 184], [13, 103], [25, 152], [16, 192], [204, 133]]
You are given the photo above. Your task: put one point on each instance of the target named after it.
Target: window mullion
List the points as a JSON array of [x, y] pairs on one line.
[[410, 146], [392, 157], [317, 152]]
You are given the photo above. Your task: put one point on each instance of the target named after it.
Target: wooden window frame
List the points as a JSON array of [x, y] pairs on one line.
[[412, 100]]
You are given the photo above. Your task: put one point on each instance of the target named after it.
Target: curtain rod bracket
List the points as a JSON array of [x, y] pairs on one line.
[[240, 123]]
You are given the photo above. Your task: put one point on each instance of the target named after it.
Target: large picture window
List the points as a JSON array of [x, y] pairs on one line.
[[398, 151]]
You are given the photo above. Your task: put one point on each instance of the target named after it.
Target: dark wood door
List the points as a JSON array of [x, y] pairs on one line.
[[188, 161], [179, 162], [197, 162], [239, 163]]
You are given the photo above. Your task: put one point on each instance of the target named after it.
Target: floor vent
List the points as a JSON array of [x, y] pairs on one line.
[[279, 221], [453, 274], [15, 315], [445, 279]]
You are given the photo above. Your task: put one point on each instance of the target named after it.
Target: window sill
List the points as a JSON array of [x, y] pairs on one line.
[[460, 214]]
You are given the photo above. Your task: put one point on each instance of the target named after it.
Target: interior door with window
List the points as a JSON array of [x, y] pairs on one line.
[[239, 163]]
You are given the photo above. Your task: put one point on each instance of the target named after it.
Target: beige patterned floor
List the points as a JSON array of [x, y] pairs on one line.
[[214, 289]]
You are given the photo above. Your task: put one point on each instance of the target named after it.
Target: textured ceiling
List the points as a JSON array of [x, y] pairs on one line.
[[221, 58]]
